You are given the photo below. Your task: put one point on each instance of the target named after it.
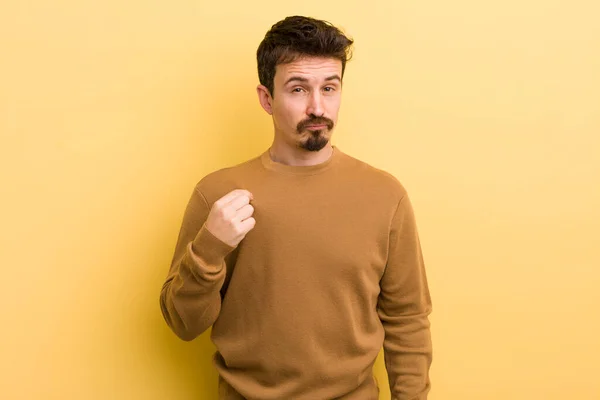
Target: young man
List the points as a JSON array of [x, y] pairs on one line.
[[304, 260]]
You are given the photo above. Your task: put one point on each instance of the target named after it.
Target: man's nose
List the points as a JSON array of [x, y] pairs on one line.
[[315, 105]]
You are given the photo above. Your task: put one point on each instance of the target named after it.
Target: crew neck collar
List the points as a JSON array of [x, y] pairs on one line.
[[272, 165]]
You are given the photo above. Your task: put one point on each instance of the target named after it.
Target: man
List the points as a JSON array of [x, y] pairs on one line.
[[304, 260]]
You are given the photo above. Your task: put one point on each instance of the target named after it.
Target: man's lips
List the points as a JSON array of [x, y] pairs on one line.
[[316, 126]]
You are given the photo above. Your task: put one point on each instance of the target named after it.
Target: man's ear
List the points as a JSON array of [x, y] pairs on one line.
[[265, 99]]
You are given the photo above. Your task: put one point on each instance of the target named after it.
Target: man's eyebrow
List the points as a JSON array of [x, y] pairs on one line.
[[302, 79], [296, 78]]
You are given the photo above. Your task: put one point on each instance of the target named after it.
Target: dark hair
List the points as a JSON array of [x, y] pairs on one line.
[[295, 37]]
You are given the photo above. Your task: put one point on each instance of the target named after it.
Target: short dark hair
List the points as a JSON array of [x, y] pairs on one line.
[[296, 37]]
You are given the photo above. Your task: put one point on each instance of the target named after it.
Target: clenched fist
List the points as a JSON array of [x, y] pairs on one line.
[[230, 217]]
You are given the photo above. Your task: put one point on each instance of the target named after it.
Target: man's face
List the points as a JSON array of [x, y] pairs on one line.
[[307, 100]]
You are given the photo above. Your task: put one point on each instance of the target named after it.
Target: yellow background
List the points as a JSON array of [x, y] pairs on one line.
[[111, 111]]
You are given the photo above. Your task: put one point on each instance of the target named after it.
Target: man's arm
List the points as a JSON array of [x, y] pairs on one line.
[[404, 305], [190, 298]]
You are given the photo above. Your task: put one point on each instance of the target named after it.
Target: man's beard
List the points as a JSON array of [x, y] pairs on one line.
[[317, 140]]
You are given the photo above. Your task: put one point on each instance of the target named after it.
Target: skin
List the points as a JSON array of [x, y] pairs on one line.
[[307, 92]]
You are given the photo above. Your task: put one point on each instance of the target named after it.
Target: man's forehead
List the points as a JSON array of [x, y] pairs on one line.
[[310, 67]]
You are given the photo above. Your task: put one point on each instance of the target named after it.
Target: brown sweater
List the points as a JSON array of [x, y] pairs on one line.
[[300, 309]]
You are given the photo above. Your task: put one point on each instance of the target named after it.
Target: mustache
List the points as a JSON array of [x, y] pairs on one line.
[[315, 121]]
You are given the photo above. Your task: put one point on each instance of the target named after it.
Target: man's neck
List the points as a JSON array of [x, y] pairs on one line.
[[300, 157]]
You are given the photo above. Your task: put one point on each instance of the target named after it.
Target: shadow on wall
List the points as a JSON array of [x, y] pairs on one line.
[[235, 122]]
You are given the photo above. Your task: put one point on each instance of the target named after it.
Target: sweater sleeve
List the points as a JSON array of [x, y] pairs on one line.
[[404, 306], [190, 298]]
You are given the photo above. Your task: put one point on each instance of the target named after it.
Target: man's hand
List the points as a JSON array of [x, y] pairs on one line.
[[230, 217]]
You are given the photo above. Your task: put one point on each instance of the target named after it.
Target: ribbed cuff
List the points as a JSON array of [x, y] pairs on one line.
[[210, 248]]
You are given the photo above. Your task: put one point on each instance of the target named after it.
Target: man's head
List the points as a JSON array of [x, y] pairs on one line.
[[301, 63]]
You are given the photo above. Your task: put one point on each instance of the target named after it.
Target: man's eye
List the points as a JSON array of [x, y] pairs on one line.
[[329, 89], [297, 90]]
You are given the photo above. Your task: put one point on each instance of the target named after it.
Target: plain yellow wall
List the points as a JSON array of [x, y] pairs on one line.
[[110, 112]]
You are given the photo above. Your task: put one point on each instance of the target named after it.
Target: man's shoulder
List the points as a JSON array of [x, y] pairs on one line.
[[219, 182], [374, 176]]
